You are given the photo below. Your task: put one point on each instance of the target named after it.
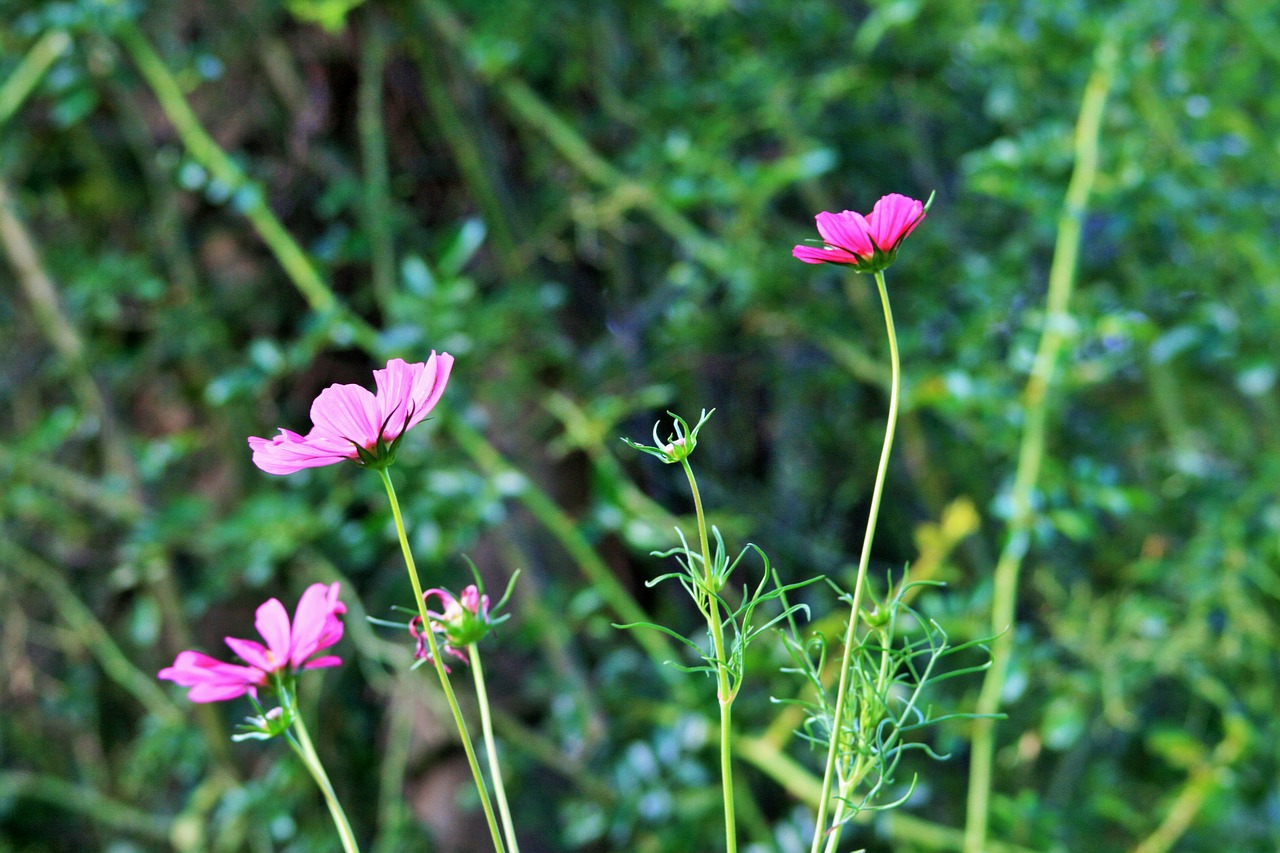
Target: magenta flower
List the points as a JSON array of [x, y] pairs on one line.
[[870, 243], [350, 422], [288, 650]]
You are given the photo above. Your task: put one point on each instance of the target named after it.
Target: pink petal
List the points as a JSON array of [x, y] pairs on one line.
[[218, 692], [325, 661], [254, 654], [815, 255], [893, 218], [446, 601], [290, 452], [395, 390], [846, 230], [272, 623], [346, 412], [314, 622], [429, 386], [210, 679]]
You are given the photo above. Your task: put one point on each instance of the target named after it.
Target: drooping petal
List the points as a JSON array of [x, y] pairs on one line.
[[892, 219], [211, 680], [845, 230], [447, 601], [272, 623], [289, 452], [429, 386], [816, 255], [347, 412], [219, 692]]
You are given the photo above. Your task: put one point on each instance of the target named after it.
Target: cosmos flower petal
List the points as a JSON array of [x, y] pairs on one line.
[[893, 218], [315, 624], [211, 680], [845, 230], [429, 386], [348, 412], [290, 452], [253, 653], [272, 623]]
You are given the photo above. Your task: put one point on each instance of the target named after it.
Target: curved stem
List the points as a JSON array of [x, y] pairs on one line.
[[724, 691], [1031, 451], [491, 747], [307, 752], [439, 664], [851, 633]]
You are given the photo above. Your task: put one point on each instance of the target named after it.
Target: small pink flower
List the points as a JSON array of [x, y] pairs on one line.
[[464, 620], [289, 648], [350, 422], [869, 243]]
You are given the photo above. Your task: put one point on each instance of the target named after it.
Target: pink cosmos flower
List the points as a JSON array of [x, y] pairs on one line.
[[289, 648], [350, 422], [869, 243]]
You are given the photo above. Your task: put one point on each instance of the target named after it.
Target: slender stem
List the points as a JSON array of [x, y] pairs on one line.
[[724, 692], [307, 752], [27, 75], [851, 633], [863, 763], [491, 747], [439, 663], [1031, 451]]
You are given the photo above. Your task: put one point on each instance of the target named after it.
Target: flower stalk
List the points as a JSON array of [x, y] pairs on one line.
[[725, 694], [300, 741], [438, 662], [491, 749], [832, 775]]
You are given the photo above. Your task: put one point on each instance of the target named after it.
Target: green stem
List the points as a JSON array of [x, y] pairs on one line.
[[724, 693], [865, 759], [1031, 451], [307, 752], [439, 663], [23, 79], [491, 747], [851, 633]]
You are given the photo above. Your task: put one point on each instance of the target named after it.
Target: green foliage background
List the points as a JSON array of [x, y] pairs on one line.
[[592, 205]]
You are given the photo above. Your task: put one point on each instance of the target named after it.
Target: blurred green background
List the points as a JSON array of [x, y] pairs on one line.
[[210, 211]]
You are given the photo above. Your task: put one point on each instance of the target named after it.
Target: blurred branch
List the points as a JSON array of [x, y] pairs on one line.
[[625, 192], [465, 145], [113, 503], [1035, 404], [373, 157], [1207, 777], [248, 196], [117, 815], [93, 637], [18, 85], [42, 295]]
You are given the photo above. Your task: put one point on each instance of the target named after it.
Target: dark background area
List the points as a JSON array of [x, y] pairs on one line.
[[213, 210]]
